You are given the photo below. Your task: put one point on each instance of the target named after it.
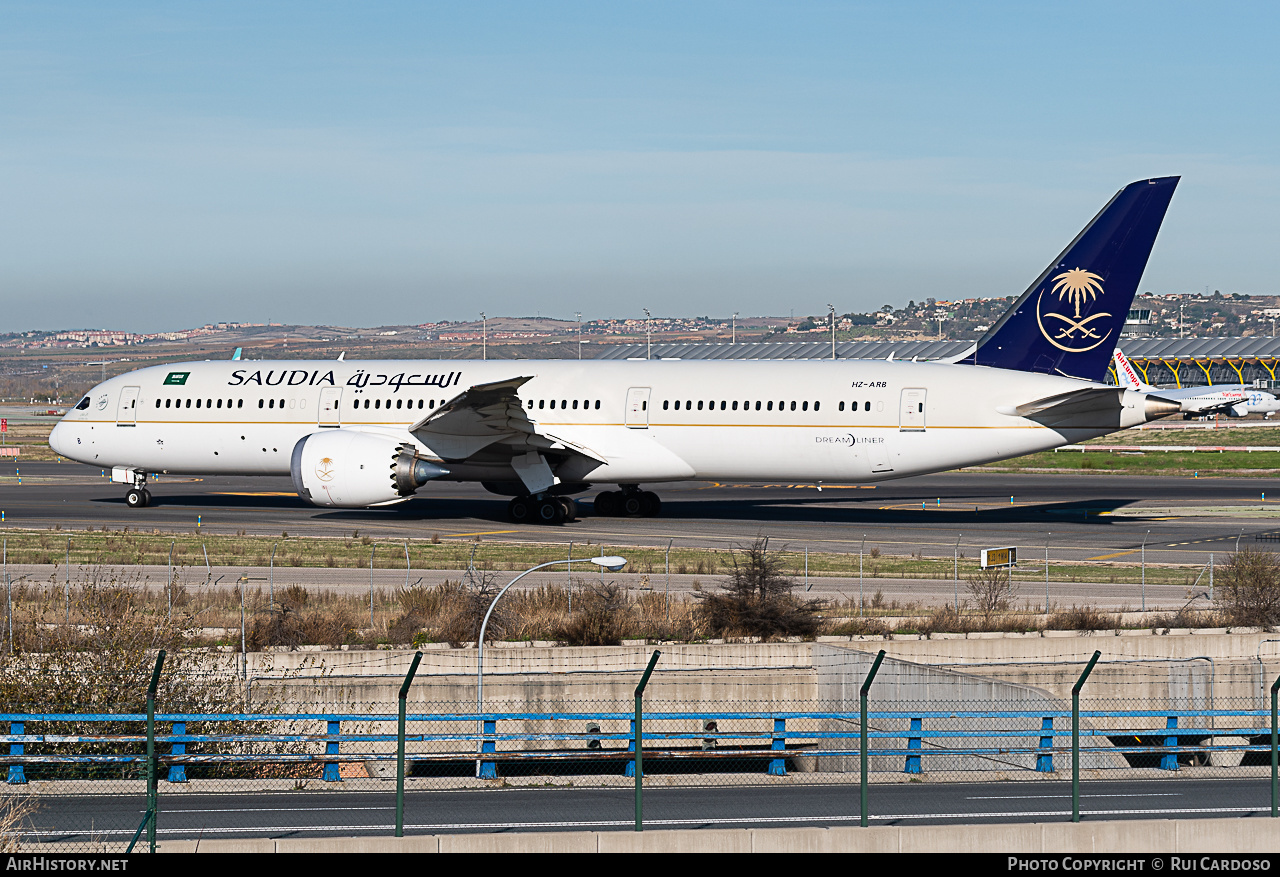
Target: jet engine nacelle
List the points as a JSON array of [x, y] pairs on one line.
[[343, 468]]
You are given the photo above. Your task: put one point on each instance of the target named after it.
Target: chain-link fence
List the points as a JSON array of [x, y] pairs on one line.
[[732, 736]]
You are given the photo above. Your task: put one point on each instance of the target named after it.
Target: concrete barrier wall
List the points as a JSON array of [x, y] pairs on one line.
[[906, 686], [1161, 836]]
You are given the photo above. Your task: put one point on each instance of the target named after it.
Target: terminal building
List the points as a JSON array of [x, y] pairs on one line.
[[1163, 362]]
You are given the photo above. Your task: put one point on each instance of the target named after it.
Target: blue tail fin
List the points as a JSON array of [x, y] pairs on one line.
[[1069, 320]]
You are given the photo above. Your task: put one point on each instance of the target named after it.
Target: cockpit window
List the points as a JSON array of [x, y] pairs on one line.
[[84, 404]]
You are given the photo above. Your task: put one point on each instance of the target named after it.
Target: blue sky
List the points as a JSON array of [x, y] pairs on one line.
[[166, 164]]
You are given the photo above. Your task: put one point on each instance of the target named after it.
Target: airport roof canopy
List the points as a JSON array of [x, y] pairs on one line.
[[1134, 348]]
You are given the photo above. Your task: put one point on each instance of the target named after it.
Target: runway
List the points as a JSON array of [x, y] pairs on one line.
[[1078, 517]]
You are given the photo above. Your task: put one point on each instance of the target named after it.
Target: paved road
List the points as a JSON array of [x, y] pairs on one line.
[[316, 814], [1080, 516]]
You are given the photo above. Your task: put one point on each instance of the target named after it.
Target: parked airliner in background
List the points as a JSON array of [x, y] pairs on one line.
[[361, 434], [1234, 400]]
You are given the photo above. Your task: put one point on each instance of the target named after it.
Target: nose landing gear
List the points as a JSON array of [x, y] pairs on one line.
[[137, 497]]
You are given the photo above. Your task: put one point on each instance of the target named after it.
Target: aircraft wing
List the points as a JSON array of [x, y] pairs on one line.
[[486, 415]]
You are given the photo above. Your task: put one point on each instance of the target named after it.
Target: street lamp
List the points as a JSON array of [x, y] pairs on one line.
[[612, 563], [733, 329], [579, 316], [832, 309], [648, 338], [484, 336]]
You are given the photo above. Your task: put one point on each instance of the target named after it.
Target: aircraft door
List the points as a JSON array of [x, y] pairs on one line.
[[912, 410], [330, 413], [637, 413], [127, 412]]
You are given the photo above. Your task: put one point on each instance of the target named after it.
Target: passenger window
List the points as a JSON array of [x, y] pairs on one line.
[[757, 406], [841, 406], [803, 407], [677, 404], [735, 405], [541, 403], [564, 403], [666, 404], [553, 403], [575, 404], [815, 405], [197, 403], [597, 404], [78, 408], [793, 406], [866, 406], [240, 403], [699, 404], [769, 407], [355, 405], [722, 405], [167, 402]]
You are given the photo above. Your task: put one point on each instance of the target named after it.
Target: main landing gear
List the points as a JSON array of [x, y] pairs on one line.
[[631, 502], [554, 510]]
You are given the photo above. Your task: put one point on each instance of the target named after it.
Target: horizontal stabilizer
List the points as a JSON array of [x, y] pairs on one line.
[[1100, 405]]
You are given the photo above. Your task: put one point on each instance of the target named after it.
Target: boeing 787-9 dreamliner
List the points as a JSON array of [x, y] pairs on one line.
[[371, 433]]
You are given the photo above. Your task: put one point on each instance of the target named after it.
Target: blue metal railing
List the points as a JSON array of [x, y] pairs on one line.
[[780, 736]]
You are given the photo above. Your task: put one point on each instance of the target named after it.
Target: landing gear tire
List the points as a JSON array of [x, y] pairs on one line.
[[146, 497], [608, 504], [650, 505], [550, 511], [136, 499], [632, 505], [520, 509], [570, 507]]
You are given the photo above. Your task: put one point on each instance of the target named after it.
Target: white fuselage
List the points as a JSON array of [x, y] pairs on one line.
[[857, 420]]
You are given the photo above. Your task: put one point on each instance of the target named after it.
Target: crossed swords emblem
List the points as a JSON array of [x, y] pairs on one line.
[[1078, 325]]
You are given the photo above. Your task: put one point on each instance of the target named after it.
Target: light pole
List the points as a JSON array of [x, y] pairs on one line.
[[648, 338], [832, 309], [579, 316], [484, 336], [733, 328], [611, 563]]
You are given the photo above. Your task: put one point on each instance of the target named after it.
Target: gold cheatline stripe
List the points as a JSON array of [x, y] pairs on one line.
[[841, 426]]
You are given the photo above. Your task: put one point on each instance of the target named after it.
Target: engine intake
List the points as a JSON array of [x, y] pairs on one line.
[[343, 468]]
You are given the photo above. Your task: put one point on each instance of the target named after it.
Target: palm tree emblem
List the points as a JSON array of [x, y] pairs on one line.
[[324, 470], [1077, 285], [1074, 334]]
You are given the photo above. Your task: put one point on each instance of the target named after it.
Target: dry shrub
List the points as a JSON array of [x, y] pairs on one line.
[[756, 601], [293, 628], [860, 626], [601, 618], [1248, 591], [15, 811], [463, 616], [655, 617], [1083, 618], [294, 597]]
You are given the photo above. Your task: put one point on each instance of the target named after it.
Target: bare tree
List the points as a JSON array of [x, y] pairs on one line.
[[757, 599], [991, 590], [1248, 592]]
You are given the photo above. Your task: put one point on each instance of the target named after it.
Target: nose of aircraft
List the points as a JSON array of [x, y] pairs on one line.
[[58, 439]]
